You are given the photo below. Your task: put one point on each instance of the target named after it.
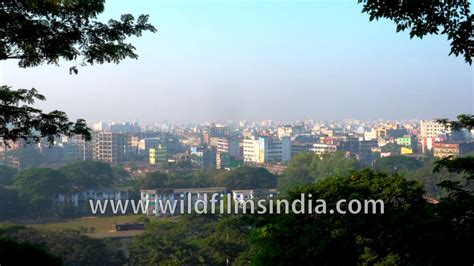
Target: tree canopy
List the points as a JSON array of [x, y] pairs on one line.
[[309, 167], [246, 178], [13, 253], [411, 231], [397, 164], [37, 184], [21, 121], [192, 240], [37, 32], [423, 17], [71, 246], [89, 174], [6, 175]]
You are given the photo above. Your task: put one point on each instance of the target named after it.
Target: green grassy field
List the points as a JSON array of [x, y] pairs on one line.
[[101, 224]]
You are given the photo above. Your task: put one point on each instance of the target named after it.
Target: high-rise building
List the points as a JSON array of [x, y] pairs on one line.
[[125, 127], [215, 131], [431, 129], [111, 147], [251, 150], [158, 155], [267, 150], [144, 145], [289, 130], [77, 148], [230, 146]]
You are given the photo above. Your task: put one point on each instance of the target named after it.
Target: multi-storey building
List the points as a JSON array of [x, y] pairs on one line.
[[230, 146], [79, 198], [407, 141], [431, 129], [215, 131], [183, 200], [158, 155], [267, 150], [298, 147], [319, 148], [251, 150], [144, 145], [370, 135], [289, 130], [111, 147], [77, 149], [445, 149]]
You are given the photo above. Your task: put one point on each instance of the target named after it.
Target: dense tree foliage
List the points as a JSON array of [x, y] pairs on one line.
[[89, 174], [71, 246], [154, 180], [393, 148], [10, 204], [192, 240], [421, 18], [410, 232], [430, 179], [28, 157], [6, 175], [397, 164], [19, 120], [246, 178], [179, 179], [37, 184], [307, 168], [37, 32], [25, 253]]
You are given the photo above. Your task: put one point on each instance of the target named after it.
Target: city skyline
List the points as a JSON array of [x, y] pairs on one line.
[[276, 60]]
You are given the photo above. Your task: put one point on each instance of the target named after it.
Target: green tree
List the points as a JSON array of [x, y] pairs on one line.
[[308, 167], [21, 121], [412, 231], [154, 180], [397, 164], [6, 175], [10, 204], [71, 246], [192, 240], [37, 184], [25, 253], [422, 18], [393, 148], [89, 174], [166, 242], [456, 211], [400, 234], [28, 156], [37, 32], [246, 178]]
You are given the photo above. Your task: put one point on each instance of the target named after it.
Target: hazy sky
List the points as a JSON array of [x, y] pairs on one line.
[[282, 60]]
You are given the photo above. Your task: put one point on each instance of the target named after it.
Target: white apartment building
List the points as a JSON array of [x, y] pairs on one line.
[[289, 130], [320, 148], [251, 150], [431, 129], [370, 135], [266, 150], [184, 198]]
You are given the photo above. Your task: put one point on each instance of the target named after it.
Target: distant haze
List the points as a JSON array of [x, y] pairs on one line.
[[284, 60]]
